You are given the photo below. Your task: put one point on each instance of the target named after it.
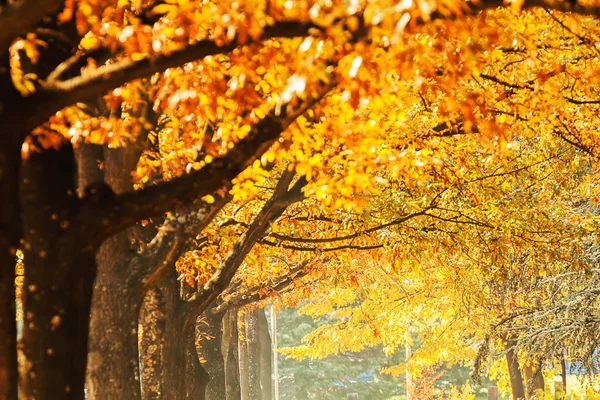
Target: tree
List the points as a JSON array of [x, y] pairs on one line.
[[82, 51]]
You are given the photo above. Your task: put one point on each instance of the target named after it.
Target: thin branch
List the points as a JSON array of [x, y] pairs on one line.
[[583, 39], [320, 249], [577, 144], [254, 294], [581, 102], [397, 221], [504, 83]]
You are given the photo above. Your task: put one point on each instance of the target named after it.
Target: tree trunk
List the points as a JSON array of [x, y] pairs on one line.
[[58, 280], [10, 235], [88, 158], [113, 350], [253, 343], [196, 374], [243, 356], [229, 349], [210, 329], [514, 371], [266, 356], [534, 381], [113, 358], [8, 322], [563, 372], [182, 375], [152, 320], [174, 368]]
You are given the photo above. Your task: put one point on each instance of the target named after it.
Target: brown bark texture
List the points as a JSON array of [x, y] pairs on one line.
[[210, 333], [58, 280], [152, 321], [534, 381], [182, 374], [266, 356], [243, 357], [10, 235], [517, 386], [254, 352], [229, 349], [113, 358]]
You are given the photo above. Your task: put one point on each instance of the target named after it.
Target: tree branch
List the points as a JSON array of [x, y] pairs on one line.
[[105, 214], [253, 294], [272, 210], [60, 94], [174, 238], [575, 6], [320, 249], [397, 221], [57, 94], [20, 17]]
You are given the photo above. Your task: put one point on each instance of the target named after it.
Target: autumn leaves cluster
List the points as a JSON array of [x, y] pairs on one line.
[[400, 168]]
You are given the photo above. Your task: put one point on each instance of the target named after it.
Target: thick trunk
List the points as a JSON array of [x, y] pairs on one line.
[[210, 329], [266, 355], [152, 320], [10, 235], [196, 374], [229, 350], [58, 280], [253, 343], [175, 350], [113, 358], [113, 349], [516, 379], [88, 158], [182, 375], [8, 326]]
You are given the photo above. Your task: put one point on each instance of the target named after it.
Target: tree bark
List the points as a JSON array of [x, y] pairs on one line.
[[197, 376], [516, 379], [266, 356], [152, 320], [8, 331], [183, 376], [113, 358], [58, 280], [175, 351], [210, 328], [534, 380], [243, 356], [563, 372], [88, 158], [10, 235], [254, 352], [113, 350], [229, 350]]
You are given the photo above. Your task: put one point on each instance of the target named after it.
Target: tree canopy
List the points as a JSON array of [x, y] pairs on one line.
[[416, 166]]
